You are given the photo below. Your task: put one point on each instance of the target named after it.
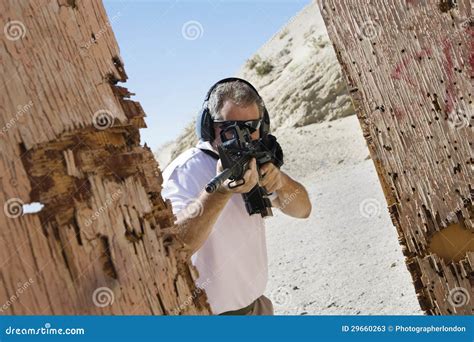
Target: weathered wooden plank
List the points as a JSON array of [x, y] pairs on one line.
[[103, 242], [409, 67]]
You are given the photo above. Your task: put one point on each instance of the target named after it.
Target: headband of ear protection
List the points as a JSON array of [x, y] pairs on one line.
[[204, 122]]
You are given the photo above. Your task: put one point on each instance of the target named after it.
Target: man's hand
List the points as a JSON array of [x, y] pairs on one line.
[[250, 179], [271, 177], [292, 197]]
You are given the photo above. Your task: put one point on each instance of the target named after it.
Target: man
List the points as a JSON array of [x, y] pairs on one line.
[[225, 243]]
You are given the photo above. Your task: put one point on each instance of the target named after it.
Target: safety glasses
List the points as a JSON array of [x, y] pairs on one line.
[[252, 125]]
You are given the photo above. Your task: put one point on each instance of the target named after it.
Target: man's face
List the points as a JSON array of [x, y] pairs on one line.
[[232, 112]]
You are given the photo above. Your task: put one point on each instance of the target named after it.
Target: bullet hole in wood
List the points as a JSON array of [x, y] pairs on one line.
[[457, 168]]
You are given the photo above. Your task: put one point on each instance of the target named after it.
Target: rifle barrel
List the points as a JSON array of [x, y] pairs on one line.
[[218, 180]]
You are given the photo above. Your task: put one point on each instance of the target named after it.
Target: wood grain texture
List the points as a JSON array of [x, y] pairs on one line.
[[104, 242], [409, 68]]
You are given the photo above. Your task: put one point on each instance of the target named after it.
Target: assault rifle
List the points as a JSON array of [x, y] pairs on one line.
[[236, 151]]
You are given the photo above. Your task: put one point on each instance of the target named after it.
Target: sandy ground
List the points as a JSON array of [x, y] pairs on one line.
[[345, 258]]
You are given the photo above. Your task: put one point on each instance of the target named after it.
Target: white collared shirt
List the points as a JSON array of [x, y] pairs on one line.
[[232, 263]]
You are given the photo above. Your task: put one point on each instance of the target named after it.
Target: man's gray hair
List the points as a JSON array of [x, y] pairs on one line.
[[236, 91]]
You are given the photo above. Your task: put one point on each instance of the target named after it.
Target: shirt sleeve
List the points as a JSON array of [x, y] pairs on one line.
[[183, 187]]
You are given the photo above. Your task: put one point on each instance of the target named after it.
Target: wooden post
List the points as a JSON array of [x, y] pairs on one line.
[[409, 68], [104, 242]]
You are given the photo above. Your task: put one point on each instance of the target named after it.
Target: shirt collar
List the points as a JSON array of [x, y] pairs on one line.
[[206, 145]]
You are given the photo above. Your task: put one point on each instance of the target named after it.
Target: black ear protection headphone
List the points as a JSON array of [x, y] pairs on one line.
[[205, 123]]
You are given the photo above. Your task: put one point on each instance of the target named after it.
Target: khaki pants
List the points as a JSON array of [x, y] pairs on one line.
[[263, 306]]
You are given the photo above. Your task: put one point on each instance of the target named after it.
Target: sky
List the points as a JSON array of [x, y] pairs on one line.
[[174, 51]]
